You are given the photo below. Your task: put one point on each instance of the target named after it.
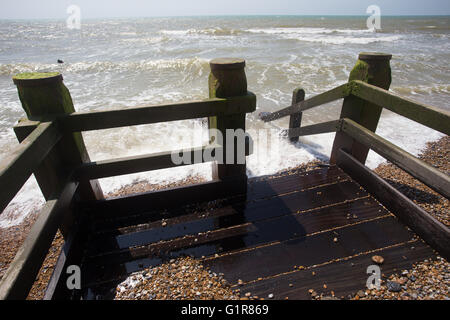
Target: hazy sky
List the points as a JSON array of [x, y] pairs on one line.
[[39, 9]]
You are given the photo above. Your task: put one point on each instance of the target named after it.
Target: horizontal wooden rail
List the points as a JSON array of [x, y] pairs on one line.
[[18, 166], [97, 120], [432, 177], [324, 127], [426, 226], [128, 165], [22, 271], [427, 115], [323, 98]]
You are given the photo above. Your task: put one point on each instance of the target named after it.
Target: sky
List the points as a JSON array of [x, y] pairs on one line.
[[57, 9]]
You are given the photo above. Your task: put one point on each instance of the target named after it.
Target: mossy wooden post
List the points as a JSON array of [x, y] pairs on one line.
[[295, 120], [43, 96], [374, 69], [228, 79]]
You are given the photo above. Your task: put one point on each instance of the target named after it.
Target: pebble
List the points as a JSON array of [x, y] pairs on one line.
[[361, 294], [394, 286], [378, 259]]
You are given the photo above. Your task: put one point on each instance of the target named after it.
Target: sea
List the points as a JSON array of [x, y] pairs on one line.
[[111, 63]]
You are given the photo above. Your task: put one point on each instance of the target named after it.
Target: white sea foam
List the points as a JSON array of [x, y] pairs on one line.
[[327, 36], [28, 200], [183, 64], [307, 31]]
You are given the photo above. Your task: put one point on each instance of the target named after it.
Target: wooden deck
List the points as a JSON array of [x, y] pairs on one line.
[[321, 220]]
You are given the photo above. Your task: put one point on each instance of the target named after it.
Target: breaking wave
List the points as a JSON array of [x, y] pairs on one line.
[[184, 65]]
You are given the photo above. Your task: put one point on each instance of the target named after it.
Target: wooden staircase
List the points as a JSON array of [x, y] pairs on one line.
[[285, 228]]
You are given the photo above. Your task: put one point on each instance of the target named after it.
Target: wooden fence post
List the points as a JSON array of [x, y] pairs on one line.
[[43, 96], [372, 68], [227, 79], [295, 120]]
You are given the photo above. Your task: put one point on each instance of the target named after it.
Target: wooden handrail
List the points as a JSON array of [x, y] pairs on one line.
[[97, 120], [323, 127], [148, 162], [421, 222], [429, 175], [18, 166], [323, 98], [429, 116], [22, 271]]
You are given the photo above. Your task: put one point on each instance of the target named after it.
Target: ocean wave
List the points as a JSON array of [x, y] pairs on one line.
[[422, 89], [210, 31], [187, 64], [347, 40], [327, 36], [147, 40], [308, 31]]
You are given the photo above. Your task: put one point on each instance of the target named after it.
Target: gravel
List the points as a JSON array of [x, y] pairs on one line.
[[436, 154], [184, 278], [427, 280]]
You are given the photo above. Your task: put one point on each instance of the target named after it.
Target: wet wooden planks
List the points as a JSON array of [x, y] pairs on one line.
[[343, 277], [284, 221], [121, 212], [246, 236], [230, 215]]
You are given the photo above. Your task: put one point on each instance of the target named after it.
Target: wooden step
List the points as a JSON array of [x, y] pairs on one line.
[[105, 217], [344, 277], [225, 217]]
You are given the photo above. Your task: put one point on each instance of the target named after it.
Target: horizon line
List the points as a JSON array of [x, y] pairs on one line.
[[239, 15]]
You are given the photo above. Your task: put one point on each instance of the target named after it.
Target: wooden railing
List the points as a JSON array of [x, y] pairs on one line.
[[429, 116], [355, 136], [49, 140]]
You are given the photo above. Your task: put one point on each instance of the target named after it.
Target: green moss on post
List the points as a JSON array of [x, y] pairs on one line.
[[228, 79], [43, 96], [360, 71], [372, 68]]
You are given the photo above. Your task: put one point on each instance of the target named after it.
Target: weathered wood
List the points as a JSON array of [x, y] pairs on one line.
[[19, 164], [429, 116], [373, 68], [228, 79], [22, 271], [155, 161], [45, 97], [274, 219], [121, 117], [329, 96], [427, 227], [324, 127], [167, 199], [344, 277], [432, 177], [280, 257], [295, 120], [256, 190], [71, 254], [50, 172]]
